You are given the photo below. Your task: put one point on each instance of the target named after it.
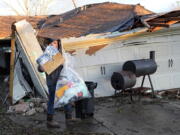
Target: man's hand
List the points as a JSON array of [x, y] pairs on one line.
[[40, 69]]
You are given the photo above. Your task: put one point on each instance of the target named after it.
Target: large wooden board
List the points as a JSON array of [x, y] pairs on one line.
[[73, 43], [31, 50]]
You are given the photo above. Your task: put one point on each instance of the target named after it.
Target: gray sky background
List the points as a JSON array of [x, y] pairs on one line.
[[60, 6]]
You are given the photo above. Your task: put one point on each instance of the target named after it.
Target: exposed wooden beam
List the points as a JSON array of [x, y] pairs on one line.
[[159, 24], [94, 49], [71, 44], [158, 28], [5, 38], [98, 39], [158, 20], [173, 13], [174, 18], [12, 59]]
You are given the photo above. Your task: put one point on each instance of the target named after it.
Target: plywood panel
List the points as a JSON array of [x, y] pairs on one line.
[[31, 50]]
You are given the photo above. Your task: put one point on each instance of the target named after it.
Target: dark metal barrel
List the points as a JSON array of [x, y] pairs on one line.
[[141, 67], [123, 80]]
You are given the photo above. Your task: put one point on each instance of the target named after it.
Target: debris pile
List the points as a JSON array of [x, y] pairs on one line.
[[30, 107], [170, 94]]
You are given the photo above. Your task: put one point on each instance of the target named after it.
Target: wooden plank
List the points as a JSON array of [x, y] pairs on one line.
[[31, 50], [94, 49], [5, 38], [173, 18], [158, 20], [88, 41], [159, 24], [158, 28], [56, 61], [12, 68], [73, 44]]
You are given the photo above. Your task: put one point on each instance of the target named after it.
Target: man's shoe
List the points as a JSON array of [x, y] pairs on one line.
[[52, 124], [72, 120]]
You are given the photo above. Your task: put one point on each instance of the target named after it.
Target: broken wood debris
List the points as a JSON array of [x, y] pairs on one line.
[[31, 107], [170, 94], [160, 27], [94, 49], [159, 24]]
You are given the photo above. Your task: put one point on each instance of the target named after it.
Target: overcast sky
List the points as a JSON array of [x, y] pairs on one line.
[[154, 5], [60, 6]]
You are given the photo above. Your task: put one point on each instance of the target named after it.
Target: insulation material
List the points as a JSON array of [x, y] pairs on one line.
[[20, 87]]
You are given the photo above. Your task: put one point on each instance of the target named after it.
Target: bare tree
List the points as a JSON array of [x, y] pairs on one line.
[[176, 6], [75, 6], [10, 6], [29, 7]]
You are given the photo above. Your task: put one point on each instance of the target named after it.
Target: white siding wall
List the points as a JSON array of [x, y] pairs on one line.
[[165, 43]]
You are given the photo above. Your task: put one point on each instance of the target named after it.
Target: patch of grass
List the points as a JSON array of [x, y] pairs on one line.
[[119, 110]]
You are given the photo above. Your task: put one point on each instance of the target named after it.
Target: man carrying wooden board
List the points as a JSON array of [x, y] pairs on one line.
[[53, 69]]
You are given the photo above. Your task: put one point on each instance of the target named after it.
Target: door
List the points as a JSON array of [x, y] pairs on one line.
[[162, 78], [109, 69], [96, 74], [102, 75], [175, 65]]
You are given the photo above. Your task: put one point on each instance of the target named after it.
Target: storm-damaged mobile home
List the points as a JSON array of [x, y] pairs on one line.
[[101, 37]]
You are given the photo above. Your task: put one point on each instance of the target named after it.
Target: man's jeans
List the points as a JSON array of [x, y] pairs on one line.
[[50, 110]]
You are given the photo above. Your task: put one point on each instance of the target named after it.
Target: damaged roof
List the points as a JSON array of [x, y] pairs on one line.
[[7, 21], [91, 19], [158, 21]]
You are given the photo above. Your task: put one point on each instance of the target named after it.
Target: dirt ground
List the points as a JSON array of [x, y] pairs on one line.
[[113, 116]]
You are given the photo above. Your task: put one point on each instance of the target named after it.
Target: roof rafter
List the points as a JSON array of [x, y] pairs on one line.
[[160, 27]]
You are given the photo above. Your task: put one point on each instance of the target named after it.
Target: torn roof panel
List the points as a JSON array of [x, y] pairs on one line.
[[159, 21], [91, 19], [159, 17]]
